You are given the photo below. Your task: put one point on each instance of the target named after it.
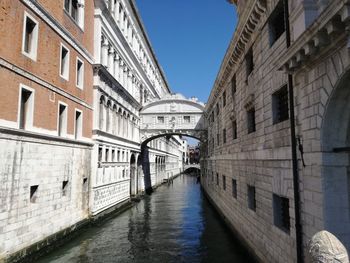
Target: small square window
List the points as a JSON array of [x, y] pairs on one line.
[[234, 188], [34, 193], [224, 182], [251, 198], [251, 120], [280, 106], [85, 185], [30, 37], [64, 188], [187, 119], [160, 119], [64, 62], [281, 212], [80, 74]]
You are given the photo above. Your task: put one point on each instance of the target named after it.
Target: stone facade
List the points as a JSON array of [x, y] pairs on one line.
[[248, 170]]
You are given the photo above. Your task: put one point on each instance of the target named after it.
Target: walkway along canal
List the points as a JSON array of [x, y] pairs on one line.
[[175, 224]]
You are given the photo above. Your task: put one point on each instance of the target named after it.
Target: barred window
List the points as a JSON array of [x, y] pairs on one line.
[[224, 135], [251, 120], [276, 23], [249, 59], [251, 198], [280, 107], [281, 212], [234, 188], [234, 130]]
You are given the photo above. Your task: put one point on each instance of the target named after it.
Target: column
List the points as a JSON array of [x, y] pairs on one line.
[[111, 60], [116, 66], [104, 51]]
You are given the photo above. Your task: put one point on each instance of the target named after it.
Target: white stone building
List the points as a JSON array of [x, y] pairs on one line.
[[126, 76]]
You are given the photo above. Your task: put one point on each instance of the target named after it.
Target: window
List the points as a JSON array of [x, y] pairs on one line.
[[62, 119], [217, 179], [187, 119], [281, 212], [276, 23], [212, 176], [280, 107], [107, 156], [251, 120], [233, 85], [224, 182], [34, 193], [249, 60], [218, 138], [224, 135], [26, 108], [78, 124], [30, 37], [64, 63], [224, 99], [212, 117], [85, 185], [113, 155], [100, 154], [75, 9], [80, 74], [160, 119], [234, 188], [64, 188], [251, 198], [217, 109], [234, 130]]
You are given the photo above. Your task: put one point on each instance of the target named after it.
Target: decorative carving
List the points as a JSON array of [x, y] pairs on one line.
[[324, 247]]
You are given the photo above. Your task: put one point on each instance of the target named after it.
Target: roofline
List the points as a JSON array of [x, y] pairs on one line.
[[143, 28]]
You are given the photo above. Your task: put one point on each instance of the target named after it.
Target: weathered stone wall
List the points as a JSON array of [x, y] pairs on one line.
[[26, 162], [263, 158]]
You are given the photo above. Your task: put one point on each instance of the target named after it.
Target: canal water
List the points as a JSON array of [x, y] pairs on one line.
[[175, 224]]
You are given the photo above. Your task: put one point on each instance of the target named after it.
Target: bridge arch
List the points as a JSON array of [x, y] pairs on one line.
[[172, 115]]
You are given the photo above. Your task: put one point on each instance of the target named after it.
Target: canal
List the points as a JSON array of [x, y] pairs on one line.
[[175, 224]]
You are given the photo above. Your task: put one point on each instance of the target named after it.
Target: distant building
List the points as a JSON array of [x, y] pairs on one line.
[[193, 154]]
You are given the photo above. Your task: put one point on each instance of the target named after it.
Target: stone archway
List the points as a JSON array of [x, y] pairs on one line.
[[335, 139]]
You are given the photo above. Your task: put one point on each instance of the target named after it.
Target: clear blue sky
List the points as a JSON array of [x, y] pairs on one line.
[[190, 38]]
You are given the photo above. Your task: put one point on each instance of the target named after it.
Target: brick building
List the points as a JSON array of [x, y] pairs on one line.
[[46, 116], [251, 172]]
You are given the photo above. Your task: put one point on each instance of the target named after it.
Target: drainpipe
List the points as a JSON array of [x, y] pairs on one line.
[[298, 226]]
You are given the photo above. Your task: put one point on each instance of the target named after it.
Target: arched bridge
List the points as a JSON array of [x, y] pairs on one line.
[[172, 115]]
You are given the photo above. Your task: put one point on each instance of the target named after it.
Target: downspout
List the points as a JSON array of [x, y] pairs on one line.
[[298, 226]]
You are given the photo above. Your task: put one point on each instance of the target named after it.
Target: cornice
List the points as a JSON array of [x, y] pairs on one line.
[[238, 46], [333, 24]]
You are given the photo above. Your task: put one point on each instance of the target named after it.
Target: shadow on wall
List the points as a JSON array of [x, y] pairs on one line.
[[146, 169]]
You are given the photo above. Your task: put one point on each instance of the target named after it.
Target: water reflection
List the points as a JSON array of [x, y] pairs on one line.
[[175, 224]]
